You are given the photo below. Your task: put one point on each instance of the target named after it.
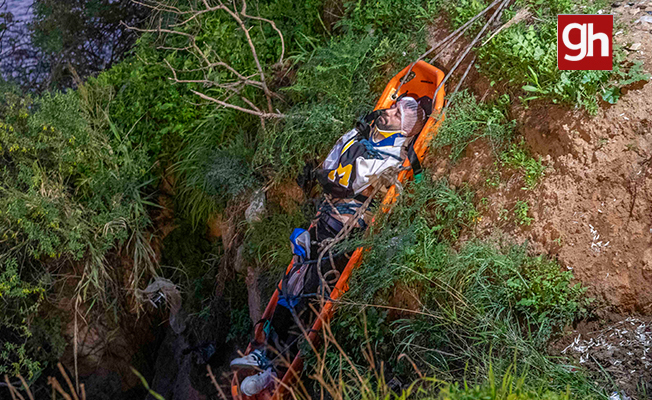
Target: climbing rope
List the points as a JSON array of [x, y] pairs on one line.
[[387, 178]]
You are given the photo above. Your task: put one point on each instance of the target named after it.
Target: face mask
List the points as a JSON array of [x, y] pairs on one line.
[[402, 117]]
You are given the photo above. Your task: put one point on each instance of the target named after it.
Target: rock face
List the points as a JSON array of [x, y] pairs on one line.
[[180, 368], [173, 370], [593, 208]]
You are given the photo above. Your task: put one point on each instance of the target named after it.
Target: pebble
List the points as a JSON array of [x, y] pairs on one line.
[[616, 5], [635, 47]]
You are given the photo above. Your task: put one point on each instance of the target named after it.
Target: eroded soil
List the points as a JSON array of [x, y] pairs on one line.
[[593, 208]]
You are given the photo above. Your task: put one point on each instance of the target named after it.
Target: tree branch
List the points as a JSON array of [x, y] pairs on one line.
[[234, 107], [208, 59]]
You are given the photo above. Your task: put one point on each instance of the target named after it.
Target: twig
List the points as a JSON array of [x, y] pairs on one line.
[[67, 379], [461, 58], [459, 84], [56, 386], [253, 52], [522, 14], [10, 387], [210, 59], [453, 37], [233, 106], [27, 389], [214, 381]]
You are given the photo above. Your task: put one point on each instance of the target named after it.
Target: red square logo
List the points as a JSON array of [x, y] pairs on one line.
[[585, 42]]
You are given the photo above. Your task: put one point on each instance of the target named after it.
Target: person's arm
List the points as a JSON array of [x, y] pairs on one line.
[[366, 169]]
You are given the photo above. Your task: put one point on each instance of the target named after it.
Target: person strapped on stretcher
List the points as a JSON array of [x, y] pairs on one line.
[[348, 174]]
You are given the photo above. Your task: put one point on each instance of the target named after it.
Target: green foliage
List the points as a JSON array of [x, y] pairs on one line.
[[67, 188], [389, 16], [483, 303], [330, 92], [503, 285], [518, 157], [510, 387], [628, 75], [525, 55], [429, 216], [240, 324], [521, 209], [19, 302], [268, 244], [467, 121], [142, 101], [479, 301], [71, 190]]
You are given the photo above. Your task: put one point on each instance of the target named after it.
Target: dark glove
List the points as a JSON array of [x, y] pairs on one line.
[[363, 125], [306, 179]]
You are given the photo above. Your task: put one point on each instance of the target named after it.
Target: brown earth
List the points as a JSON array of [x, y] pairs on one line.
[[620, 349], [593, 208]]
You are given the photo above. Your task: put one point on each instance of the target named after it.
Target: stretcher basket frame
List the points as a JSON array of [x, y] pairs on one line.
[[422, 79]]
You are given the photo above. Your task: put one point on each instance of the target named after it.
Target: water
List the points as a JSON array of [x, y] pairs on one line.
[[17, 55], [90, 46]]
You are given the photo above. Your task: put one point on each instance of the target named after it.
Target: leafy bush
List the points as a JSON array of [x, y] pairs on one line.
[[141, 100], [20, 301], [71, 190]]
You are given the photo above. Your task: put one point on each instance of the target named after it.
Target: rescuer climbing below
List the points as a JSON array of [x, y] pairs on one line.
[[347, 175]]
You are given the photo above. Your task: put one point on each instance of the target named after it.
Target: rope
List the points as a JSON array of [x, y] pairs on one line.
[[453, 37], [389, 177]]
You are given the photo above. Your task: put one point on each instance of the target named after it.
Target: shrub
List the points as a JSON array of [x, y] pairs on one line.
[[72, 190], [20, 301]]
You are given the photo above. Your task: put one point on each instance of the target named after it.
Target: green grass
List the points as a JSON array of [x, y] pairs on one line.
[[521, 209], [517, 157], [267, 244], [469, 120], [477, 303]]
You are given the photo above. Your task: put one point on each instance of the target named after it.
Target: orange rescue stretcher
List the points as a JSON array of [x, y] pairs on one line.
[[424, 81]]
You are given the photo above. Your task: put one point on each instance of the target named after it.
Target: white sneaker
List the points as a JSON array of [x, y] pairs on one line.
[[254, 384], [255, 359]]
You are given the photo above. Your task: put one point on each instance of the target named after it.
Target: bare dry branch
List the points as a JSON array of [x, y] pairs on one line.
[[214, 382], [280, 35], [67, 379], [209, 59], [252, 47], [234, 107], [55, 384]]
